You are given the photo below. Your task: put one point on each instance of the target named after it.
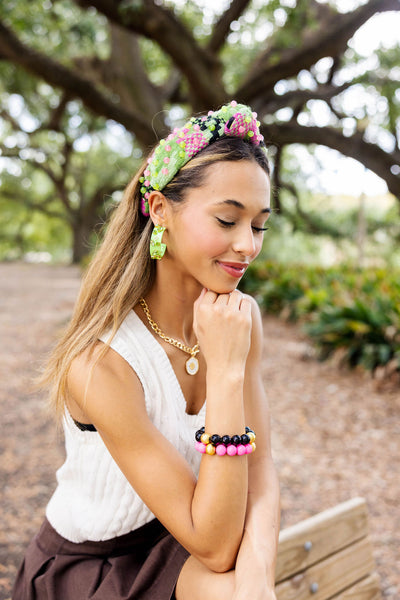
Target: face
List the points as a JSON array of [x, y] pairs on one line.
[[218, 231]]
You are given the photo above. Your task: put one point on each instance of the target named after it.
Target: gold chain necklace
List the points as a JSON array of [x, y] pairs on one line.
[[192, 364]]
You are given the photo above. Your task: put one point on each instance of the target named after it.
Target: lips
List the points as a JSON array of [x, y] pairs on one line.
[[234, 269]]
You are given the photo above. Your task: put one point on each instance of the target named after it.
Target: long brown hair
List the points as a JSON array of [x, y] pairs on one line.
[[122, 271]]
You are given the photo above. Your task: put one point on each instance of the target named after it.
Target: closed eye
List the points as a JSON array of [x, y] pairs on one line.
[[225, 223], [232, 223]]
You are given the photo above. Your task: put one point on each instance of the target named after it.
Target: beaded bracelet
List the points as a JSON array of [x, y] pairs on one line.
[[225, 444]]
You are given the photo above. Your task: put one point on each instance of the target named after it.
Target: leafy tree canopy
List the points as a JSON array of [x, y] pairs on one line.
[[72, 70]]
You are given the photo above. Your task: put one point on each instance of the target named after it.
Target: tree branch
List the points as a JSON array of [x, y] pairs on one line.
[[222, 26], [200, 67], [330, 40], [309, 223], [371, 155], [7, 117], [66, 152], [123, 73], [171, 90], [58, 182], [54, 122], [276, 179], [335, 66], [97, 198], [15, 153], [14, 196], [293, 99], [60, 76]]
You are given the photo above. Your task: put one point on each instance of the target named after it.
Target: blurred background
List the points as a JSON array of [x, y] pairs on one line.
[[87, 87]]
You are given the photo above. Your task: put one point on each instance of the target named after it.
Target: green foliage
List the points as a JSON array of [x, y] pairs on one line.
[[59, 167], [369, 332], [62, 26], [354, 310], [25, 231], [48, 130]]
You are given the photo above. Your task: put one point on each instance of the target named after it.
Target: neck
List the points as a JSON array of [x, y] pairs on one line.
[[170, 302]]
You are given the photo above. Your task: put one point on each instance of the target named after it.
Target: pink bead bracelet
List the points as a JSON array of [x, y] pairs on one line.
[[221, 449]]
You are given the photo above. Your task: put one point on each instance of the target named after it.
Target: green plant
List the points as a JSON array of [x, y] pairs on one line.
[[354, 310]]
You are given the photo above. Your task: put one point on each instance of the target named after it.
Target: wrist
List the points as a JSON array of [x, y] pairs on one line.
[[222, 378]]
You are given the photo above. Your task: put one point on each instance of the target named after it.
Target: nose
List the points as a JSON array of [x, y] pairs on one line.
[[245, 242]]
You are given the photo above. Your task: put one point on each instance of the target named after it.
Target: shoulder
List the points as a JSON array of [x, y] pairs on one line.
[[106, 362], [97, 378]]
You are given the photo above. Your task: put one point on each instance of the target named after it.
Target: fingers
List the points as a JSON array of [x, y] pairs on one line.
[[200, 298], [245, 305], [235, 300], [210, 297]]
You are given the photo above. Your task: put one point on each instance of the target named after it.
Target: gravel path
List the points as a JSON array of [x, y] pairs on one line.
[[335, 435]]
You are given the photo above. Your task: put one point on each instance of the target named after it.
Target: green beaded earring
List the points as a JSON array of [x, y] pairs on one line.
[[157, 248]]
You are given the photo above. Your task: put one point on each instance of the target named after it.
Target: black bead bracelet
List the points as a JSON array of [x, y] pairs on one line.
[[226, 440]]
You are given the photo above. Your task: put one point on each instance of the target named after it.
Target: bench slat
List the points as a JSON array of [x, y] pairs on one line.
[[332, 575], [367, 589], [328, 532]]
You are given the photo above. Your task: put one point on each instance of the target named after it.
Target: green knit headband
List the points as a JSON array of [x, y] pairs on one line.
[[173, 152]]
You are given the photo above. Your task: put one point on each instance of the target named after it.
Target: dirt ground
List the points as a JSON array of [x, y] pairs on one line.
[[335, 436]]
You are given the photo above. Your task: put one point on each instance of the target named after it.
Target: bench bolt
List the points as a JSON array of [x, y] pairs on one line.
[[308, 546]]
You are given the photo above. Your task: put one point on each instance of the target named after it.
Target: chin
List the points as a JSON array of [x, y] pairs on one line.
[[222, 288]]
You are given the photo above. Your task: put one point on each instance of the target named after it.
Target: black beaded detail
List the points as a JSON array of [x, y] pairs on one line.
[[227, 440], [215, 439], [85, 426]]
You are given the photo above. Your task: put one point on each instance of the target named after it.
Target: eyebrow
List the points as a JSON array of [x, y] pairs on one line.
[[238, 204]]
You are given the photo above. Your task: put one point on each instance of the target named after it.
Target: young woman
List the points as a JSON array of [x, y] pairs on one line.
[[166, 491]]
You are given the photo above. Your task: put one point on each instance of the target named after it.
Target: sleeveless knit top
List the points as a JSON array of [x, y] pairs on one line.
[[93, 499]]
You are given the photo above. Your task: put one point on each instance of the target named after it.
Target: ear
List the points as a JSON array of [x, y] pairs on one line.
[[158, 208]]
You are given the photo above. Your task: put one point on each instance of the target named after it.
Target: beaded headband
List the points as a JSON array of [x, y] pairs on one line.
[[173, 152]]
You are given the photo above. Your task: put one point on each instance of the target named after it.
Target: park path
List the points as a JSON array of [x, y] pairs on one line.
[[334, 435]]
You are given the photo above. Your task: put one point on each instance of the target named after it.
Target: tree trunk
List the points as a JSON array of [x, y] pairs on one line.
[[81, 233]]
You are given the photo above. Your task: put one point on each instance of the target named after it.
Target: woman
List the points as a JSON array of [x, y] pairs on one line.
[[162, 493]]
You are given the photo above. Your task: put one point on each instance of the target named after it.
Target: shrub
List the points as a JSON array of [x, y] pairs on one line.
[[351, 309]]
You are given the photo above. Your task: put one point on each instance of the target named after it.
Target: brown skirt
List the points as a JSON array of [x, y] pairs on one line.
[[141, 565]]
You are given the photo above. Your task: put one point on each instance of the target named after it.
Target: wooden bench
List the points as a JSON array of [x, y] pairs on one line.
[[328, 556]]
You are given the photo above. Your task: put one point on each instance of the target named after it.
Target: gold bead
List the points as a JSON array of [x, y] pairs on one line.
[[253, 446], [252, 437], [205, 438], [210, 449]]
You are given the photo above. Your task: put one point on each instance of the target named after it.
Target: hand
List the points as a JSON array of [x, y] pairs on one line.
[[251, 591], [222, 324], [252, 585], [253, 579]]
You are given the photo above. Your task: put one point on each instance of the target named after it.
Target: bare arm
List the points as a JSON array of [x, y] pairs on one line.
[[255, 566], [206, 516]]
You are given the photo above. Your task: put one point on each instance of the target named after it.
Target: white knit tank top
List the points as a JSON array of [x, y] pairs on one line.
[[93, 499]]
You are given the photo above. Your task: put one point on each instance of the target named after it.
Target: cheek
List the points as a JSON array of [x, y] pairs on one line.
[[200, 237], [210, 244], [258, 247]]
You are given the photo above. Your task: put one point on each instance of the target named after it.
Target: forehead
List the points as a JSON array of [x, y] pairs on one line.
[[243, 181]]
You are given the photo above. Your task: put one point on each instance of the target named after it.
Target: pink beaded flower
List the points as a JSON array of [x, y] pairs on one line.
[[242, 126], [194, 143]]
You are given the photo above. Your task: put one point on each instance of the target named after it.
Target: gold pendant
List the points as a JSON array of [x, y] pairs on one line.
[[192, 365]]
